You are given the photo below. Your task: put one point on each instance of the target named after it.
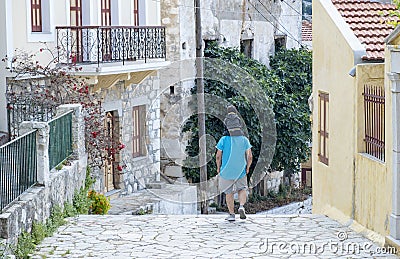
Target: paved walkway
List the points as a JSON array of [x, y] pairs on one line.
[[206, 236]]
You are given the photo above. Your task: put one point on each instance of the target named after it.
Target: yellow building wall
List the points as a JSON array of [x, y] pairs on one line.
[[372, 205], [351, 186], [332, 60], [373, 199]]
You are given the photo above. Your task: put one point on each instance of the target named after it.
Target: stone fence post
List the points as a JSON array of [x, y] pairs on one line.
[[78, 128], [42, 146]]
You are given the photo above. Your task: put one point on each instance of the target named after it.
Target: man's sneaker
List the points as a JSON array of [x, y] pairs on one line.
[[231, 217], [242, 213]]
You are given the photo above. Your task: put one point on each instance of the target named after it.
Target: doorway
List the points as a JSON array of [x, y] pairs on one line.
[[111, 173]]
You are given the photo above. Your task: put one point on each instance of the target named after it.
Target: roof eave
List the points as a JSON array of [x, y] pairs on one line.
[[393, 35], [358, 49]]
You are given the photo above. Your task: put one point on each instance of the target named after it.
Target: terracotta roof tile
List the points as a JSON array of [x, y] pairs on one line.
[[306, 31], [364, 18]]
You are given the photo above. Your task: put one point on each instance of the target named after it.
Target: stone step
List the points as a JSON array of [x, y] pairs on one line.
[[172, 199], [113, 194]]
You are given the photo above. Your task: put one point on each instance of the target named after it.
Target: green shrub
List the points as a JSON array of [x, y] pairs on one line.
[[100, 204], [25, 245], [39, 232]]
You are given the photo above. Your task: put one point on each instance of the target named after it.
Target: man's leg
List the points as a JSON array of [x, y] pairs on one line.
[[242, 186], [242, 197], [230, 203], [226, 186]]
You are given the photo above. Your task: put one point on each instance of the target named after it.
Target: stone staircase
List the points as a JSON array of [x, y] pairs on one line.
[[157, 198]]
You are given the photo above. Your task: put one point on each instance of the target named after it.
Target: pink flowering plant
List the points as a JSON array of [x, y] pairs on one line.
[[35, 90]]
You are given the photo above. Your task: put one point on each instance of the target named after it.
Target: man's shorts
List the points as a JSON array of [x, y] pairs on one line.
[[231, 186]]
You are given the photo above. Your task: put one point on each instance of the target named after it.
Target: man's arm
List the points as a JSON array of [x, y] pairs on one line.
[[249, 159], [218, 158]]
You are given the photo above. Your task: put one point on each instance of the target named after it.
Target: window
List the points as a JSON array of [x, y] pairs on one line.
[[208, 44], [323, 127], [280, 43], [136, 13], [40, 20], [36, 15], [246, 47], [139, 126], [374, 121], [106, 12], [76, 12]]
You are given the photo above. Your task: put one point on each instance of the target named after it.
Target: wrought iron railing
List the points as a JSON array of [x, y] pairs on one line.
[[28, 109], [374, 120], [60, 139], [18, 167], [101, 44]]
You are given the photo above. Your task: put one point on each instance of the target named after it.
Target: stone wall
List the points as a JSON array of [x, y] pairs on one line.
[[56, 186], [36, 203], [121, 98], [301, 207], [229, 22], [273, 180]]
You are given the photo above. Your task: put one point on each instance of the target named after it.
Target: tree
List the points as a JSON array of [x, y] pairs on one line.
[[287, 86], [392, 13]]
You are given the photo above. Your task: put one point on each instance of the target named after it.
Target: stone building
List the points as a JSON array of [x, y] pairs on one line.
[[120, 61], [257, 28]]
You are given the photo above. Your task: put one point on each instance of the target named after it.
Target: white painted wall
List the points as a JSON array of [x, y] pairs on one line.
[[222, 19], [187, 28], [6, 47], [290, 22], [152, 9]]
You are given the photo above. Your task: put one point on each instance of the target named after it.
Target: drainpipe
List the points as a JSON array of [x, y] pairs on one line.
[[395, 216]]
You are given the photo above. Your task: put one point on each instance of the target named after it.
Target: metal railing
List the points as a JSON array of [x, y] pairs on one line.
[[60, 139], [374, 119], [27, 109], [18, 167], [101, 44]]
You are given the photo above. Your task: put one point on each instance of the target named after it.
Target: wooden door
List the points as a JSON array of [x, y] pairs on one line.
[[109, 167]]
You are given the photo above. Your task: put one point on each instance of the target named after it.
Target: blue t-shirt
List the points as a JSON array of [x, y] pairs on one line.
[[234, 160]]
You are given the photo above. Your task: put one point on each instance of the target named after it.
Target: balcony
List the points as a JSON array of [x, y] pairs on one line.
[[103, 46]]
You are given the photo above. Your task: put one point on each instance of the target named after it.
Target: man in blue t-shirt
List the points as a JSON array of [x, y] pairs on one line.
[[233, 159]]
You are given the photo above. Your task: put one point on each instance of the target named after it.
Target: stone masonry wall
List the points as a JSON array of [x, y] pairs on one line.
[[122, 98], [35, 204], [56, 186]]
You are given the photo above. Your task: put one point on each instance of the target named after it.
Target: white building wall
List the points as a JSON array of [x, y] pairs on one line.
[[15, 26], [186, 29], [6, 47], [152, 13], [290, 22]]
